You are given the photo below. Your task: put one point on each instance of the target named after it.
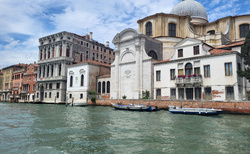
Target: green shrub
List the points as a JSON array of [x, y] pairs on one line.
[[124, 97]]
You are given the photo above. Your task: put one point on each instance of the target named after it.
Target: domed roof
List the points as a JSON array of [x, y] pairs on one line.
[[191, 8]]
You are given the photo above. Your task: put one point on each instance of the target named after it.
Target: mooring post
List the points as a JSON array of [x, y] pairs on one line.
[[181, 101], [72, 101], [66, 102], [201, 103]]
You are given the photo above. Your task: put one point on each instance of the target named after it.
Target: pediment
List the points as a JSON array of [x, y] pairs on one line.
[[187, 42], [125, 35]]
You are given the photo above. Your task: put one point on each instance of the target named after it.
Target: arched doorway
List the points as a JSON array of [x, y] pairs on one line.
[[188, 69]]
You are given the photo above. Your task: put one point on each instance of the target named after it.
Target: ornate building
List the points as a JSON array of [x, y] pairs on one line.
[[218, 40], [56, 53]]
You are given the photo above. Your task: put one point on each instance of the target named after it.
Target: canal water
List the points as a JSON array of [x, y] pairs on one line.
[[56, 129]]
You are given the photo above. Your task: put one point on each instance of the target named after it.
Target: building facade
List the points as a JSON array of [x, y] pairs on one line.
[[56, 53], [198, 71], [1, 83], [198, 59], [29, 83], [82, 78]]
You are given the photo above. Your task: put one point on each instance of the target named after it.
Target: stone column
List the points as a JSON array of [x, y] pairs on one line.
[[63, 69], [45, 66], [50, 70], [41, 71], [117, 73], [138, 71], [55, 69]]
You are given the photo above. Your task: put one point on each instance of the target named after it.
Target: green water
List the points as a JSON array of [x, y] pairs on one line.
[[56, 129]]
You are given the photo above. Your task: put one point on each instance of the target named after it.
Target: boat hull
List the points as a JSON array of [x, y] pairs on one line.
[[195, 111]]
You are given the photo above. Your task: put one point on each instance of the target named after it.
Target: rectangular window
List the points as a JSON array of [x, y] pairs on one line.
[[158, 93], [208, 93], [172, 94], [196, 50], [197, 93], [197, 70], [230, 93], [50, 95], [180, 53], [70, 95], [57, 95], [207, 71], [180, 72], [172, 74], [228, 69], [181, 93], [57, 85], [158, 75], [81, 96], [45, 95]]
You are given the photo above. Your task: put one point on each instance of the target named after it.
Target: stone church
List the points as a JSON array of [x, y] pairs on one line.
[[138, 53]]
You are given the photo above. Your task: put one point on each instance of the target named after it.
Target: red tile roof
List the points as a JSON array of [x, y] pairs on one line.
[[93, 62], [218, 51], [104, 75], [232, 45], [162, 61]]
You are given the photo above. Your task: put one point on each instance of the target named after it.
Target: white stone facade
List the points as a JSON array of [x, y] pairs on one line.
[[132, 70], [216, 74]]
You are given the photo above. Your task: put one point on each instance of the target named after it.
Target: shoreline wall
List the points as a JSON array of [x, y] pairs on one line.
[[227, 107]]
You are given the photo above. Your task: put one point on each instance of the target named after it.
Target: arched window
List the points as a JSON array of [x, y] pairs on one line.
[[60, 51], [172, 29], [152, 54], [52, 70], [71, 81], [244, 29], [211, 32], [149, 29], [188, 69], [108, 87], [67, 52], [44, 55], [82, 80], [99, 87], [48, 71], [103, 87], [41, 55]]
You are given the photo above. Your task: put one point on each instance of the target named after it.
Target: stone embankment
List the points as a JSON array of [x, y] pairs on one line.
[[228, 107]]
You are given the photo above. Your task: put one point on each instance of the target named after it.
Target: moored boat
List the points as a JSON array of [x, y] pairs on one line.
[[197, 111], [133, 107]]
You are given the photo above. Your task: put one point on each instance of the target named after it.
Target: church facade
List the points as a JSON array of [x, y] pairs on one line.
[[171, 50]]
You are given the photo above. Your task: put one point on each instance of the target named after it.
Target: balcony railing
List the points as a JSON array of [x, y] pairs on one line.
[[188, 80]]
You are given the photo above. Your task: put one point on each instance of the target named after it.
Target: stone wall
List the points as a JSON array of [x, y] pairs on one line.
[[227, 107]]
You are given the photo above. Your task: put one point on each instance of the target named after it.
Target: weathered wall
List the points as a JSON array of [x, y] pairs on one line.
[[231, 107]]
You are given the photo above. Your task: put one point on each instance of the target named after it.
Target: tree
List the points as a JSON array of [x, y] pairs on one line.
[[245, 54], [145, 95]]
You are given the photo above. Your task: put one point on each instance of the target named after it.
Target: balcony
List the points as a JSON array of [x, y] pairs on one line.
[[54, 78], [191, 80], [23, 92]]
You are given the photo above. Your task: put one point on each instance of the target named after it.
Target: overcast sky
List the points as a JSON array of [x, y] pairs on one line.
[[23, 22]]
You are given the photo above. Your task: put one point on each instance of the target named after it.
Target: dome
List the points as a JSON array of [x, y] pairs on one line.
[[191, 8]]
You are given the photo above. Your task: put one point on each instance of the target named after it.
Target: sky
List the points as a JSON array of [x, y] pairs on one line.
[[23, 22]]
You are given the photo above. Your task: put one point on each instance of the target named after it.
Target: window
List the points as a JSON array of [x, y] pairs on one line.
[[71, 81], [81, 96], [99, 87], [53, 53], [45, 95], [196, 50], [158, 75], [57, 85], [149, 29], [208, 93], [81, 57], [50, 86], [229, 93], [67, 52], [172, 29], [158, 93], [180, 53], [82, 80], [211, 32], [50, 95], [189, 69], [108, 87], [198, 93], [207, 71], [181, 93], [57, 95], [70, 95], [44, 55], [197, 70], [172, 74], [228, 69], [244, 29], [172, 94], [48, 54], [103, 87]]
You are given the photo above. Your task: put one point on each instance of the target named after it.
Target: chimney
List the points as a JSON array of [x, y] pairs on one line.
[[107, 44], [91, 38]]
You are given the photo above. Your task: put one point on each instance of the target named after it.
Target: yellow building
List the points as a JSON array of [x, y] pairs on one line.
[[189, 19]]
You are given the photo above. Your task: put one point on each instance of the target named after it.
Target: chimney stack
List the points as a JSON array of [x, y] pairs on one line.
[[107, 44], [91, 37]]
